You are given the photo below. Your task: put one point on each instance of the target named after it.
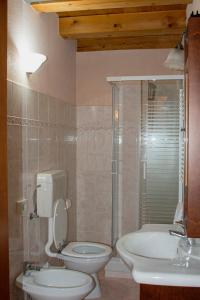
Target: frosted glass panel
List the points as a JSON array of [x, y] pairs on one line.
[[160, 150]]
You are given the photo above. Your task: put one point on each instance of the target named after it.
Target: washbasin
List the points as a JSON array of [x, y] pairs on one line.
[[153, 256], [159, 245]]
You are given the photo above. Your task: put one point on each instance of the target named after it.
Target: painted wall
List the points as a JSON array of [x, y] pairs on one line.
[[92, 68], [36, 32]]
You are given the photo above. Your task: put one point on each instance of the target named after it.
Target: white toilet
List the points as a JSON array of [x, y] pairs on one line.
[[55, 284], [81, 256]]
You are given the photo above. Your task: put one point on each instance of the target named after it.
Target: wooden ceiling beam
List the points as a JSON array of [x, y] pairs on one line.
[[137, 42], [86, 5], [121, 10], [130, 24]]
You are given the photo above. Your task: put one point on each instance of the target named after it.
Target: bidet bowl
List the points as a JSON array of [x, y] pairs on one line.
[[56, 284]]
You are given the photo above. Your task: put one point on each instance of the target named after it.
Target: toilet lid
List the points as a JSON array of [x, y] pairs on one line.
[[60, 224]]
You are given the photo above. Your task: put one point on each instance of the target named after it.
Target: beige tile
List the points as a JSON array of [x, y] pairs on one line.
[[44, 149], [17, 103], [84, 222], [9, 97], [119, 289], [52, 149], [33, 149], [15, 226], [14, 142], [83, 236], [31, 98], [103, 222], [43, 107], [16, 267], [34, 240], [43, 239], [94, 156], [52, 110], [60, 112]]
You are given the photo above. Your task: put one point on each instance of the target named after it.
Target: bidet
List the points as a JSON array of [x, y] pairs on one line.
[[55, 284]]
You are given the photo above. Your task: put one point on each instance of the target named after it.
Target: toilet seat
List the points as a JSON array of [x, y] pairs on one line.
[[60, 224], [86, 250]]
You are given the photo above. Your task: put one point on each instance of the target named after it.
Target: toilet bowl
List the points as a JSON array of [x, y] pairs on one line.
[[56, 284], [80, 256], [86, 257], [89, 258]]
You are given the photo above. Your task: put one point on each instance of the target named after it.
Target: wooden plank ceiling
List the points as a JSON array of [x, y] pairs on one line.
[[119, 24]]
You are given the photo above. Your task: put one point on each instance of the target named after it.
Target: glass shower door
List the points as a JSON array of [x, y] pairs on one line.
[[148, 153], [162, 148]]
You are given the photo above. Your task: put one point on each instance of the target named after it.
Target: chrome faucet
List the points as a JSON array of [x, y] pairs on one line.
[[30, 266], [182, 234]]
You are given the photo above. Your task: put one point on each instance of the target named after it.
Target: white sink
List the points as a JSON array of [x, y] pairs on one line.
[[156, 244], [151, 254]]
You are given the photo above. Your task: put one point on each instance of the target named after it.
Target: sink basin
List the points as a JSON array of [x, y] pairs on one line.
[[159, 245], [151, 255]]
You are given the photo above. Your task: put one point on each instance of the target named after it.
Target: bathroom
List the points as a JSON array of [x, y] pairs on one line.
[[61, 118]]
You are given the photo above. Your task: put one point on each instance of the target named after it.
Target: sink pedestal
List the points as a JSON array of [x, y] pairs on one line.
[[158, 292]]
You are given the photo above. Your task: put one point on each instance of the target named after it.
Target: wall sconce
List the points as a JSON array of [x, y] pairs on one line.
[[175, 59], [32, 61]]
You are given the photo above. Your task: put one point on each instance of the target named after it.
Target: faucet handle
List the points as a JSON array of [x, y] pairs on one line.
[[180, 222]]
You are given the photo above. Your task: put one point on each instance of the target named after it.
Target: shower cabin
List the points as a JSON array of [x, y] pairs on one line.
[[148, 151]]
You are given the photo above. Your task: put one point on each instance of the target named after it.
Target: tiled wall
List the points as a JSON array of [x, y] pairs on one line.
[[94, 178], [41, 136], [94, 171]]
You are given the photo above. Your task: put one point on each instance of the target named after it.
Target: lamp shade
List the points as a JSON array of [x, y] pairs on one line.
[[32, 61], [175, 60]]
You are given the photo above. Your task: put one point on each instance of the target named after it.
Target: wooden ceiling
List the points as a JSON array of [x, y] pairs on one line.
[[119, 24]]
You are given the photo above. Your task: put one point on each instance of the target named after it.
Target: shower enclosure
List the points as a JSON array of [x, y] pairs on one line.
[[148, 151]]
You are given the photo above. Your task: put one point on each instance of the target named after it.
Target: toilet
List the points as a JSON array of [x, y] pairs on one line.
[[55, 284], [84, 257]]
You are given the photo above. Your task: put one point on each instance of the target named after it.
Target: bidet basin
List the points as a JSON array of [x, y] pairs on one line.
[[60, 278], [56, 284], [152, 255]]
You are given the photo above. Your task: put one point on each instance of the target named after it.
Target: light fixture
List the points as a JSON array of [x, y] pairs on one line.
[[31, 61], [175, 58]]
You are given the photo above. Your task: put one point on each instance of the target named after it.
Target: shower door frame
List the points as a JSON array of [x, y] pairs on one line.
[[117, 79], [4, 234]]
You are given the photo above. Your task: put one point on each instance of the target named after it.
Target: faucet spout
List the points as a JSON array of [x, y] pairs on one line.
[[177, 233], [190, 241]]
